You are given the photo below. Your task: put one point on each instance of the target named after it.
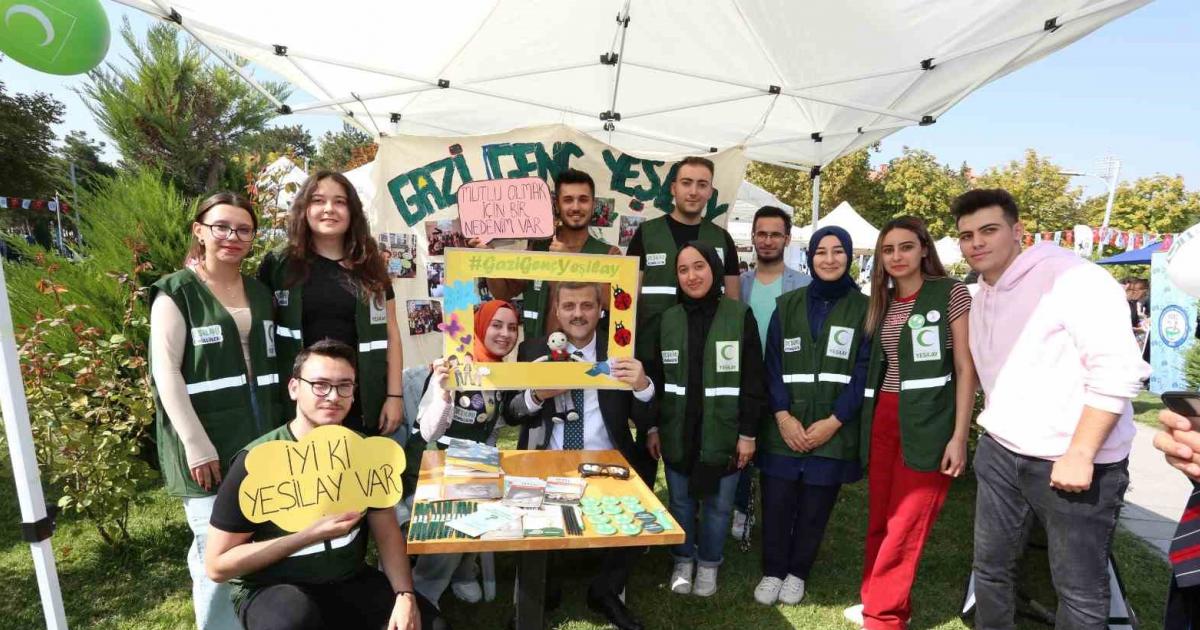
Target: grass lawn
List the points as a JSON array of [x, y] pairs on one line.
[[1146, 407], [146, 584]]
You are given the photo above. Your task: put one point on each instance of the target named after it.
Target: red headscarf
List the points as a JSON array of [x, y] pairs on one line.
[[483, 319]]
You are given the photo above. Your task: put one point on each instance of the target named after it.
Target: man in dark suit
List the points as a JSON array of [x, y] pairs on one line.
[[590, 420]]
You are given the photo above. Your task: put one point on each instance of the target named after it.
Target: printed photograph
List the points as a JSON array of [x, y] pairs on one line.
[[435, 273], [443, 234], [399, 254], [424, 316], [604, 212], [629, 225]]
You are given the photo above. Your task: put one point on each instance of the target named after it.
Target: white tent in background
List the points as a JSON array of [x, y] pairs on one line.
[[283, 179], [948, 251], [361, 179], [741, 218], [844, 216]]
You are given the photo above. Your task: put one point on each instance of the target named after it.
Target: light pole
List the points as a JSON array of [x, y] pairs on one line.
[[1110, 168]]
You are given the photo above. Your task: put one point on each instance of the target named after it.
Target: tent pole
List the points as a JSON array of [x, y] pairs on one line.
[[25, 470], [815, 174], [1112, 191]]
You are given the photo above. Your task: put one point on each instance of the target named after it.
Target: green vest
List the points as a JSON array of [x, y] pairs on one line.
[[659, 280], [537, 292], [371, 324], [325, 562], [214, 369], [722, 384], [815, 371], [471, 419], [927, 382]]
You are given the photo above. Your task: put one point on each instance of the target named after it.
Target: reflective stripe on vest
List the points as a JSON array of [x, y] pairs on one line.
[[284, 331], [868, 393], [721, 391], [925, 383], [268, 379], [334, 543], [215, 384], [799, 378], [529, 314], [672, 388], [367, 346], [832, 377], [658, 290]]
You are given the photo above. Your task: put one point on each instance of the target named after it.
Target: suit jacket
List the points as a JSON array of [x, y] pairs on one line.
[[617, 406]]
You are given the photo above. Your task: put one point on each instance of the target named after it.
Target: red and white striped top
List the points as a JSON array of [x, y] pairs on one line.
[[896, 319]]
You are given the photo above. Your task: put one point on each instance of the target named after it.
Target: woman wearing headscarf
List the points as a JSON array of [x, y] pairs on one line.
[[709, 359], [467, 415], [816, 366]]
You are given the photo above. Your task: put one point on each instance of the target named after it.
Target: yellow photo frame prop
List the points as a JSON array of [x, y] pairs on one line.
[[464, 267]]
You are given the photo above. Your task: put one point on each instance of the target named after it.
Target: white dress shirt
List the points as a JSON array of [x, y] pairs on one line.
[[595, 433]]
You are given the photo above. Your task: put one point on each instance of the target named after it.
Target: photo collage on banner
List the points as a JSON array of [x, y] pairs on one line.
[[415, 213]]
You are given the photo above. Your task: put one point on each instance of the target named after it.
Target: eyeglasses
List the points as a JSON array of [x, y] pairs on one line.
[[321, 389], [770, 236], [223, 232]]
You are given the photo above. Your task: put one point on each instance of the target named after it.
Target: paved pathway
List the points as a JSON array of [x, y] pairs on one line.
[[1157, 493]]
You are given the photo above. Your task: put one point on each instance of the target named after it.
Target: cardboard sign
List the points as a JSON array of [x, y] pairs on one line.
[[506, 208], [463, 266], [329, 471]]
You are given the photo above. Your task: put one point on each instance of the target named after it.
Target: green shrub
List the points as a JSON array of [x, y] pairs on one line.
[[90, 407], [1191, 366]]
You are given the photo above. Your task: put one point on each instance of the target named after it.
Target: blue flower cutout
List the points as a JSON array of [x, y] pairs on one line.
[[599, 368], [460, 296]]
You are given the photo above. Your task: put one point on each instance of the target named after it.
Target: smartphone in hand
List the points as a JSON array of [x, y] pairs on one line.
[[1186, 404]]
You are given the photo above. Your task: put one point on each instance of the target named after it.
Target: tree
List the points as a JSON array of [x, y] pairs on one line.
[[1161, 203], [26, 133], [293, 140], [1042, 191], [174, 111], [336, 151], [848, 178], [85, 153], [915, 183]]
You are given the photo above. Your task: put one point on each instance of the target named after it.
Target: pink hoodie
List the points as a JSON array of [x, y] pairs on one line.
[[1052, 336]]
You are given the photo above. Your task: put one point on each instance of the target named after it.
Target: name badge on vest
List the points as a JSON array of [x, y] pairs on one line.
[[670, 357], [378, 310], [537, 285], [728, 356], [269, 334], [927, 344], [840, 339], [204, 335], [791, 345], [656, 260], [281, 298]]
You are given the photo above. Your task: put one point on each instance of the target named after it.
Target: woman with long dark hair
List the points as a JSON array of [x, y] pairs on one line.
[[213, 372], [330, 282], [917, 412]]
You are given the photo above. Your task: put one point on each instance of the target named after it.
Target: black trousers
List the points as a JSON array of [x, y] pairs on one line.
[[612, 567], [794, 518], [364, 602]]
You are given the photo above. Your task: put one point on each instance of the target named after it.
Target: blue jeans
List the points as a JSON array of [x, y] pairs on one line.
[[211, 601], [713, 517]]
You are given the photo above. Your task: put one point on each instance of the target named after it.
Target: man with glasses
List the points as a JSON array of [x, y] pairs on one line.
[[317, 577], [759, 288]]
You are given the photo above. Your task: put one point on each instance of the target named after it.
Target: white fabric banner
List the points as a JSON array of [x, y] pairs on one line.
[[414, 213]]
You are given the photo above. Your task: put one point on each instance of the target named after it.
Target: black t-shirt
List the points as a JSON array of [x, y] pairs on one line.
[[683, 234], [226, 513], [329, 303]]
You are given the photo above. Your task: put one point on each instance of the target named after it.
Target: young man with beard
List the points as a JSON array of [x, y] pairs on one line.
[[317, 577], [574, 199], [590, 419], [1050, 338], [759, 287]]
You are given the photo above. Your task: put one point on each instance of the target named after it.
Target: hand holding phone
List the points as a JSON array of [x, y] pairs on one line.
[[1186, 404]]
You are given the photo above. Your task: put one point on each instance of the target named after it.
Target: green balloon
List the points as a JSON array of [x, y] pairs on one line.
[[54, 36]]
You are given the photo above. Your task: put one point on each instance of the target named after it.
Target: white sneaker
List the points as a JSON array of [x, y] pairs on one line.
[[681, 577], [854, 615], [706, 581], [767, 590], [738, 531], [792, 591], [469, 592]]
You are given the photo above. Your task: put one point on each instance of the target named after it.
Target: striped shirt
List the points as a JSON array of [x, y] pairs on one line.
[[896, 319], [1185, 547]]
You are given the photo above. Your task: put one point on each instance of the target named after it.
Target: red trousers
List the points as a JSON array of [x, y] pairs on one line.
[[904, 504]]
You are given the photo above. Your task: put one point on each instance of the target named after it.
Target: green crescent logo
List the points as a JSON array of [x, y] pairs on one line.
[[921, 338], [725, 350], [838, 337]]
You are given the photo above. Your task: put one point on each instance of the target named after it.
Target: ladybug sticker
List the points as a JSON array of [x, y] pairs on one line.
[[622, 335], [621, 299]]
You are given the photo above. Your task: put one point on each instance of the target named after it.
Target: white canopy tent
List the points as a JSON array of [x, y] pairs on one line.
[[741, 218], [844, 216], [276, 178], [795, 83]]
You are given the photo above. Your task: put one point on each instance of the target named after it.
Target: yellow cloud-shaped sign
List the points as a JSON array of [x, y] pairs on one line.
[[329, 471]]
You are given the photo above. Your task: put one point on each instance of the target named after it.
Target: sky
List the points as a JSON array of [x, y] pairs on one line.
[[1130, 89]]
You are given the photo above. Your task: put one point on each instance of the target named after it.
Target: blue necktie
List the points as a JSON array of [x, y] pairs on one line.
[[573, 429]]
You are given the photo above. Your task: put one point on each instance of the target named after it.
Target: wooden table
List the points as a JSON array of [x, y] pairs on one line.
[[531, 563]]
